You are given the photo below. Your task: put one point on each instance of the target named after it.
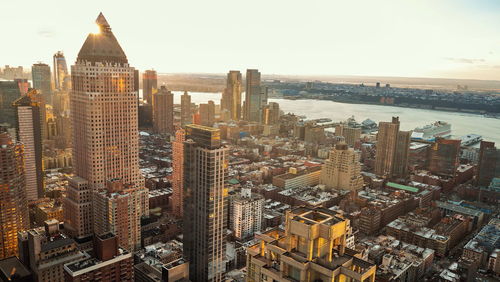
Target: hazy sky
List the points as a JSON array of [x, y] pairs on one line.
[[430, 38]]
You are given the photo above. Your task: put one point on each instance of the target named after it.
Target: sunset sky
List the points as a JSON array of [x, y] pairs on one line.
[[423, 38]]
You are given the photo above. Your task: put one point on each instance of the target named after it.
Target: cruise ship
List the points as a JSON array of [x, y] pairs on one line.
[[470, 139], [429, 132]]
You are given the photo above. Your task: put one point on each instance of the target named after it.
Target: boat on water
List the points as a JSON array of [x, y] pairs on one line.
[[470, 139], [432, 131]]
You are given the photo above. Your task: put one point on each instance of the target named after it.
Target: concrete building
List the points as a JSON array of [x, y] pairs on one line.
[[109, 263], [246, 214], [45, 250], [350, 134], [342, 170], [484, 244], [443, 157], [41, 78], [124, 206], [489, 163], [104, 112], [186, 111], [312, 247], [9, 92], [207, 113], [178, 172], [163, 111], [255, 96], [231, 97], [30, 124], [48, 210], [77, 209], [14, 206], [307, 177], [149, 85], [393, 145], [271, 114], [205, 196]]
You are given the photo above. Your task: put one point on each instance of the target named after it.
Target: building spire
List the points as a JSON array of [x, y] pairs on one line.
[[101, 20]]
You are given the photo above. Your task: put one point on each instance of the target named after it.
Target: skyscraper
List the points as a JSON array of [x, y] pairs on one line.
[[443, 157], [342, 170], [163, 111], [178, 172], [351, 135], [489, 163], [41, 80], [231, 97], [9, 92], [77, 208], [29, 132], [205, 168], [186, 112], [253, 96], [271, 113], [207, 113], [14, 207], [391, 158], [149, 85], [104, 112], [62, 79], [247, 211]]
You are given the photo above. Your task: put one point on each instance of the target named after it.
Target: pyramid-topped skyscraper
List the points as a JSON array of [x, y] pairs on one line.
[[105, 138]]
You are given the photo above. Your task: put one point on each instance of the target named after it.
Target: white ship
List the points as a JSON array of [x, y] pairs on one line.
[[429, 132], [470, 139]]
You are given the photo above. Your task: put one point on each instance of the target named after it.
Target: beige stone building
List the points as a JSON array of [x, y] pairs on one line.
[[342, 170]]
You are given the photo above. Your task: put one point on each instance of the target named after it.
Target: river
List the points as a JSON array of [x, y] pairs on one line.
[[461, 123]]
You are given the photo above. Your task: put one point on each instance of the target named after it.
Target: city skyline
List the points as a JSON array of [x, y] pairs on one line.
[[456, 39]]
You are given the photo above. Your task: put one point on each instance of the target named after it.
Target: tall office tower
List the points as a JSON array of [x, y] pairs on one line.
[[312, 247], [253, 96], [391, 158], [45, 250], [205, 197], [271, 114], [9, 92], [342, 170], [178, 172], [489, 163], [29, 132], [13, 72], [186, 112], [14, 207], [231, 97], [351, 135], [40, 74], [149, 85], [62, 79], [77, 208], [108, 263], [207, 113], [163, 111], [443, 157], [123, 207], [247, 210], [104, 112]]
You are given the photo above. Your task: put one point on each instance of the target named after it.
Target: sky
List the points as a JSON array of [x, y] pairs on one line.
[[411, 38]]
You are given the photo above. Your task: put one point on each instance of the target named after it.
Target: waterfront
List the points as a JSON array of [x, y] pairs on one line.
[[462, 123]]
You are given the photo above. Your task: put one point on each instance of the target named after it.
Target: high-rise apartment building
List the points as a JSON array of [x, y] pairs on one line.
[[489, 163], [124, 206], [9, 92], [342, 170], [207, 113], [149, 85], [41, 76], [351, 135], [186, 111], [247, 210], [14, 206], [163, 111], [177, 173], [205, 197], [393, 145], [62, 79], [443, 157], [45, 250], [313, 247], [271, 114], [104, 112], [254, 96], [77, 208], [231, 97], [29, 111]]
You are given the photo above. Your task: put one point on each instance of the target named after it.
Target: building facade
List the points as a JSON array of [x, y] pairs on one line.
[[186, 111], [178, 172], [254, 97], [41, 76], [207, 113], [205, 168], [149, 85], [231, 97], [247, 210], [342, 170], [393, 145], [14, 207], [163, 111], [77, 208]]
